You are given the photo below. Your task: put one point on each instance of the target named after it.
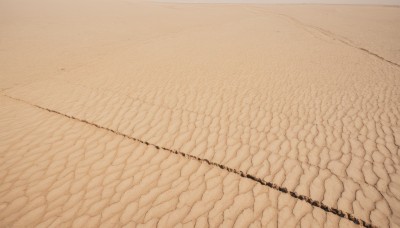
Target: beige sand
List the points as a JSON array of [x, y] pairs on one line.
[[120, 113]]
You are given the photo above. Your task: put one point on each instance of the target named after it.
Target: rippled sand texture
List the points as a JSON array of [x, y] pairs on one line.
[[116, 113]]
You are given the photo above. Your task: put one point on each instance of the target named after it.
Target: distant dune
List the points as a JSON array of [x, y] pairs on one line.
[[336, 2], [129, 114]]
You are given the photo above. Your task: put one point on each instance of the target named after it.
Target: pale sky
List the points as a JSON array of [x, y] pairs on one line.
[[375, 2]]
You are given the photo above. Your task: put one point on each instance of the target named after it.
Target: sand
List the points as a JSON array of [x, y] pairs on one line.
[[125, 114]]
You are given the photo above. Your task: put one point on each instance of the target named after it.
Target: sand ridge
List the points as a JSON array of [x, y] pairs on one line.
[[132, 187], [312, 202], [284, 115]]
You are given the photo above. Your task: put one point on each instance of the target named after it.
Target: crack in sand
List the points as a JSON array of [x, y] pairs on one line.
[[340, 39], [332, 35], [314, 203]]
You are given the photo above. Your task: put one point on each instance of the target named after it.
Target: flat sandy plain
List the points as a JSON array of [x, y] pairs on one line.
[[124, 114]]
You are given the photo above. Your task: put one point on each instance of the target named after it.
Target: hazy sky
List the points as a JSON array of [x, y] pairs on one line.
[[385, 2]]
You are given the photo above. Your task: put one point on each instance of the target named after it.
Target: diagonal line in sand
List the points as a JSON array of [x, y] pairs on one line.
[[284, 190], [331, 35], [340, 39]]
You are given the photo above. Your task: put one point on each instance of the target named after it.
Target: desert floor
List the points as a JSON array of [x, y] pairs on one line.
[[121, 114]]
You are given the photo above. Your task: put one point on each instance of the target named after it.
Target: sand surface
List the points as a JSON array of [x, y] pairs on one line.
[[123, 113]]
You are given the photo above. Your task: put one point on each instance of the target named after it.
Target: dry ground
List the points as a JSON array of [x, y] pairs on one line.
[[121, 113]]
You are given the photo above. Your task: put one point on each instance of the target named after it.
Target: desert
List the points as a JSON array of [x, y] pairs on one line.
[[164, 114]]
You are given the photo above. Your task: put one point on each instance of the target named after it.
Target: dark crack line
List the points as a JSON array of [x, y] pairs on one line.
[[342, 40], [314, 203], [335, 37]]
